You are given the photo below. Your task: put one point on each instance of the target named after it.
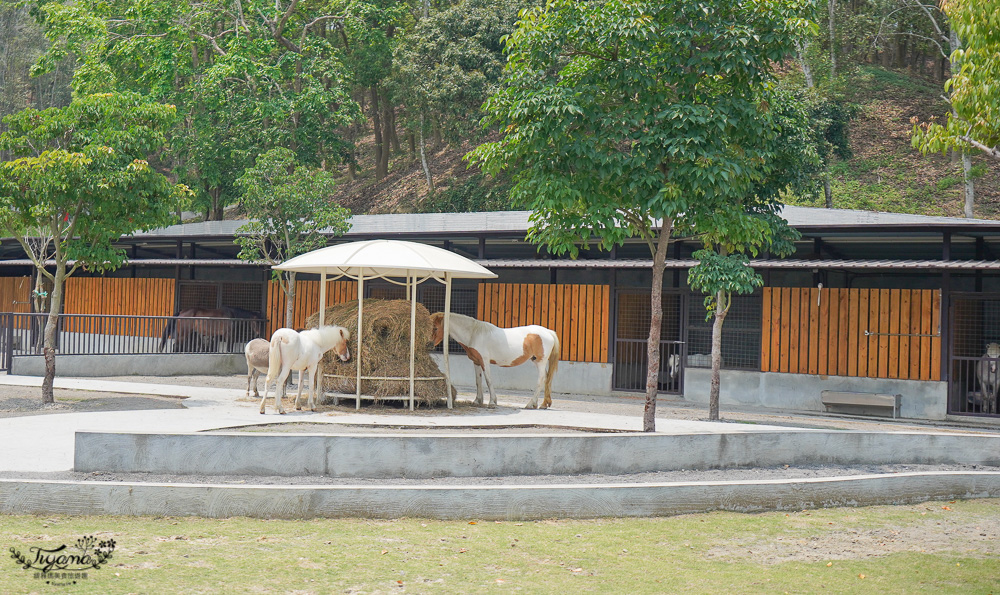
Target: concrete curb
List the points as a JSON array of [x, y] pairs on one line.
[[516, 502], [419, 456]]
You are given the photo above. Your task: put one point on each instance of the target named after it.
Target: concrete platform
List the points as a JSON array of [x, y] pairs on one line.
[[172, 441], [487, 502]]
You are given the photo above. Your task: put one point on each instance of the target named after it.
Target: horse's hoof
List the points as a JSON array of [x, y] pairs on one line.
[[281, 413], [491, 406], [262, 413]]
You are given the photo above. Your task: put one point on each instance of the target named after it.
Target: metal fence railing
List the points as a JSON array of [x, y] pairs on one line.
[[93, 334]]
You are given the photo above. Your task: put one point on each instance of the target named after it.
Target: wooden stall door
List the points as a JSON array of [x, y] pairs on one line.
[[872, 333]]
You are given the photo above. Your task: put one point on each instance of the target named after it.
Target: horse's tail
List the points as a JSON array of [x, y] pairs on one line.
[[550, 368], [274, 360], [168, 331]]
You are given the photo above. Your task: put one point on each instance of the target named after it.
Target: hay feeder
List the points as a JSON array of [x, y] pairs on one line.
[[391, 260]]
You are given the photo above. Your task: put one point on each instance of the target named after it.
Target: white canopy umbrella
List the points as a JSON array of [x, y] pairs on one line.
[[374, 259]]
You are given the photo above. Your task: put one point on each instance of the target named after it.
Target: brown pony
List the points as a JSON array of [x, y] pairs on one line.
[[201, 329]]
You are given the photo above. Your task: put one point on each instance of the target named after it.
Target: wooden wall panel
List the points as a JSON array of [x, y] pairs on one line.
[[306, 301], [873, 333], [579, 314], [116, 296]]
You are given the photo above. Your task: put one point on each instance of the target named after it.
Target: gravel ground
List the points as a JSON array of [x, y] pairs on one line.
[[628, 404], [684, 475]]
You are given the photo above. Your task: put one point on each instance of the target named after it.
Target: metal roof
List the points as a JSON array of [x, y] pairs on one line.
[[516, 222], [539, 263], [968, 265]]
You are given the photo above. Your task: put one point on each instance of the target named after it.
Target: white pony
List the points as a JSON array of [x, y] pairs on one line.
[[988, 374], [486, 344], [292, 350]]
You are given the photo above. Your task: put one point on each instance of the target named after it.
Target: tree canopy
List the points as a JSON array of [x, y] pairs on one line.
[[288, 206], [973, 92], [620, 117], [80, 180]]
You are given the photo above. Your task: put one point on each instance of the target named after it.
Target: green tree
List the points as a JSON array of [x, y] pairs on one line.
[[974, 121], [618, 117], [744, 228], [81, 180], [451, 61], [288, 207], [724, 269], [246, 77]]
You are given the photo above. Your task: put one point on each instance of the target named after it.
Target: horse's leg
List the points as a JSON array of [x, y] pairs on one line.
[[299, 395], [312, 387], [533, 403], [489, 385], [479, 384], [279, 396], [264, 398]]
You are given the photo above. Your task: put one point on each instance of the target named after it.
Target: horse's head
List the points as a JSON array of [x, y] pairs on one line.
[[673, 364], [992, 353], [437, 332], [341, 348]]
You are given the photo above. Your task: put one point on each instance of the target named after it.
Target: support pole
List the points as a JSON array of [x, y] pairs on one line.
[[411, 286], [322, 299], [357, 351], [446, 340], [321, 392]]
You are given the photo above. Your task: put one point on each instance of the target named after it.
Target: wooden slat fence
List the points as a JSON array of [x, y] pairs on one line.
[[306, 301], [823, 332], [579, 314], [15, 294], [117, 296]]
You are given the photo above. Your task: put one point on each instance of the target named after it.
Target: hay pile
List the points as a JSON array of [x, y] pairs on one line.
[[385, 351]]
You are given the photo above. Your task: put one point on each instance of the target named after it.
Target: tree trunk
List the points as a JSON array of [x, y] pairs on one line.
[[423, 158], [655, 322], [290, 301], [393, 136], [827, 190], [832, 4], [970, 185], [721, 309], [806, 71], [380, 147], [51, 325]]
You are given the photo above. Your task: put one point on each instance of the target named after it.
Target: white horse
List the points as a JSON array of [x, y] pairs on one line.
[[486, 344], [988, 374], [292, 350]]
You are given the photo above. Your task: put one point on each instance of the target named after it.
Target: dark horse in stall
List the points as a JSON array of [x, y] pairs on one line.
[[202, 329]]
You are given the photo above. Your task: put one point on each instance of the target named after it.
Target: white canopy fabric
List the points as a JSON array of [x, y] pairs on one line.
[[386, 258], [373, 259]]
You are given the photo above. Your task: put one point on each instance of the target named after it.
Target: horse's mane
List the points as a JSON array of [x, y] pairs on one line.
[[466, 324]]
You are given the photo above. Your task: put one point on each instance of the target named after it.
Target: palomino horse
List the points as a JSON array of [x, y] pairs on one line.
[[201, 329], [292, 350], [486, 344]]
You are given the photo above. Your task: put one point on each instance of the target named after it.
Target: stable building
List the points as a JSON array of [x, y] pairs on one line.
[[875, 313]]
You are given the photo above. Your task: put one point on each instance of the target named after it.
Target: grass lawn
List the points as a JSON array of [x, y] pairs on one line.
[[935, 547]]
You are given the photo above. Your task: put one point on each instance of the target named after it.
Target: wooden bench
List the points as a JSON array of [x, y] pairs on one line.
[[832, 398]]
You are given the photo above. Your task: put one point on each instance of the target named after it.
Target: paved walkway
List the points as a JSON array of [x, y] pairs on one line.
[[45, 442]]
